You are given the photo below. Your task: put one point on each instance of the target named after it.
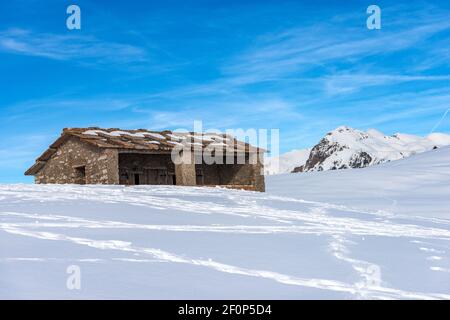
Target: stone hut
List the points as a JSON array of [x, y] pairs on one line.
[[142, 157]]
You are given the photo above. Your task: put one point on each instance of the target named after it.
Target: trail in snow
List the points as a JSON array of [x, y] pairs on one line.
[[342, 252], [363, 289]]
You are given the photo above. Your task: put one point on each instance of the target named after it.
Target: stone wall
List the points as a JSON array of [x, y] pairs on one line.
[[248, 175], [185, 169], [66, 165]]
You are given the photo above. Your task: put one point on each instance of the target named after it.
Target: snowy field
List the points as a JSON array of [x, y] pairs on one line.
[[376, 233]]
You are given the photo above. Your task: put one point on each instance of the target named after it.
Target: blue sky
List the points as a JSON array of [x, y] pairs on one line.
[[304, 67]]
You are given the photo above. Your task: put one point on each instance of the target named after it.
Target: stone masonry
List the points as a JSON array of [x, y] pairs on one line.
[[100, 165]]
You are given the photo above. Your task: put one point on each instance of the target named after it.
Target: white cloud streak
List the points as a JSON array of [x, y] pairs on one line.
[[69, 47], [301, 49]]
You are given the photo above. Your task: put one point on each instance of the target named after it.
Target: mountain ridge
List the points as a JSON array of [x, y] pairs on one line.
[[346, 147]]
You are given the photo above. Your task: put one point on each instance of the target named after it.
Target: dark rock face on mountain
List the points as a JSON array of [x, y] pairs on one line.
[[360, 160]]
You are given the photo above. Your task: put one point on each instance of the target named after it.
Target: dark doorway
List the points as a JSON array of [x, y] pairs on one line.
[[136, 179], [146, 169], [199, 178], [80, 175]]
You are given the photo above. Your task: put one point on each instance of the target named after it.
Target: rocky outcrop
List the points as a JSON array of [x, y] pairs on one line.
[[360, 160]]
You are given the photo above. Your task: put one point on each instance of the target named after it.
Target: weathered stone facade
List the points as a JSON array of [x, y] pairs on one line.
[[65, 166], [72, 160]]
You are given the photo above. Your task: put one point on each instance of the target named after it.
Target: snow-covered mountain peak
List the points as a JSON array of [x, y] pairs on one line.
[[346, 147], [375, 133], [346, 135]]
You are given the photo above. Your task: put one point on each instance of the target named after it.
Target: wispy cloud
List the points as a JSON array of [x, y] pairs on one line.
[[236, 112], [60, 105], [156, 111], [69, 47], [417, 112], [323, 45], [350, 83], [20, 150]]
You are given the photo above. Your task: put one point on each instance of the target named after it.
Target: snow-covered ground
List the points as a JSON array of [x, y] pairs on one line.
[[418, 185], [376, 233]]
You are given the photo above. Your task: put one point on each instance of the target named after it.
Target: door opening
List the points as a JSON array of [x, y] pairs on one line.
[[136, 179], [200, 180]]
